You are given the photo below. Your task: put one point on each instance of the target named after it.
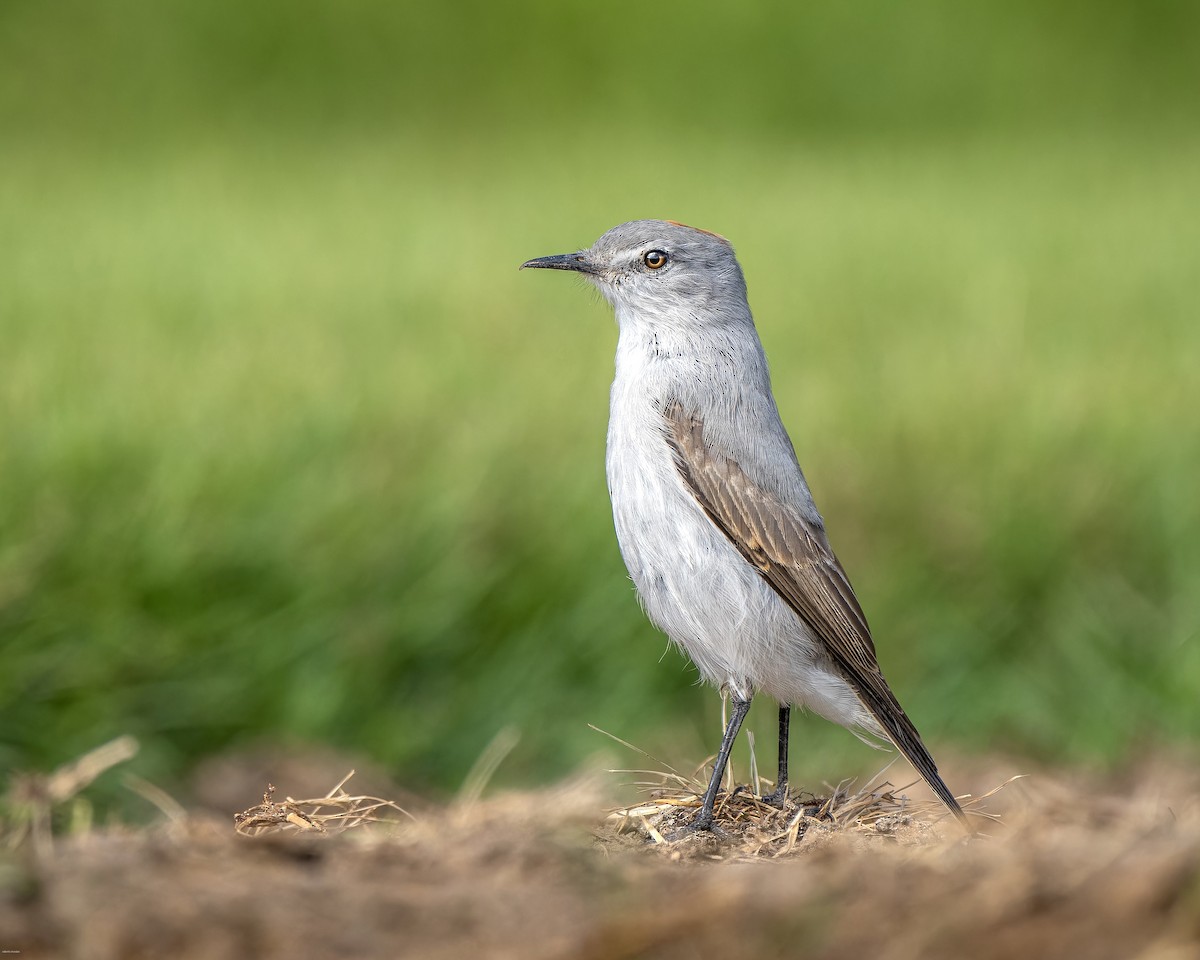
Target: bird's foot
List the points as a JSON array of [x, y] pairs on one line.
[[701, 823], [777, 797]]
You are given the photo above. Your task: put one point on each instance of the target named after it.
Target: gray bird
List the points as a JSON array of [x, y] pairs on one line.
[[714, 518]]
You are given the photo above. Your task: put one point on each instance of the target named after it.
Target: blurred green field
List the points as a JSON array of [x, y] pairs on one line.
[[289, 449]]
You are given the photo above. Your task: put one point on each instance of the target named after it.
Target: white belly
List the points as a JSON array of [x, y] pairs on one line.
[[699, 590]]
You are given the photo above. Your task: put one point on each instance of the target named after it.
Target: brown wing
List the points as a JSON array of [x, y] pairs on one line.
[[793, 555]]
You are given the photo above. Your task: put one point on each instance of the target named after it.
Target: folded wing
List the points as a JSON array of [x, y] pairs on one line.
[[794, 556]]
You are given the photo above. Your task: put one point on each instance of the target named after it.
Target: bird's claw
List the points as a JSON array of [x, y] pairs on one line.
[[777, 797], [701, 823]]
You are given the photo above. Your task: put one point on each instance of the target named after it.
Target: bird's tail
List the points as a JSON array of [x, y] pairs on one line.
[[900, 731]]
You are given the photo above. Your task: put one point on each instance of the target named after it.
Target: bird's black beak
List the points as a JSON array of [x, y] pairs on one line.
[[561, 261]]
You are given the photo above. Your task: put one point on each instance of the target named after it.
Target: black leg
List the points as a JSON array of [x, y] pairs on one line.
[[777, 797], [704, 819]]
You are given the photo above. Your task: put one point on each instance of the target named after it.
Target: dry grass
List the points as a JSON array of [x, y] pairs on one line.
[[746, 827], [333, 813], [32, 797], [1078, 865]]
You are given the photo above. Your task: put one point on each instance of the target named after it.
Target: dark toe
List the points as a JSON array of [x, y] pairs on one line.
[[777, 798]]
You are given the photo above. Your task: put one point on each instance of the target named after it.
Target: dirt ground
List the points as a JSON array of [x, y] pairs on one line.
[[1076, 866]]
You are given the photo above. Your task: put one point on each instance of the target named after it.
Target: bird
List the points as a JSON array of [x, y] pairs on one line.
[[713, 516]]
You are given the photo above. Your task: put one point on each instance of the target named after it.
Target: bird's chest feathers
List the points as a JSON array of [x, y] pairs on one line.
[[653, 510], [661, 362], [652, 369]]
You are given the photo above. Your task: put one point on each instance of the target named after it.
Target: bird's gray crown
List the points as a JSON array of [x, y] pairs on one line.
[[659, 266]]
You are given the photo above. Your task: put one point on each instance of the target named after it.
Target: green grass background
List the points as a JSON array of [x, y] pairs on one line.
[[289, 449]]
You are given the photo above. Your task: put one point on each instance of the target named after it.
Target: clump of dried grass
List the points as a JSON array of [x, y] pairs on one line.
[[331, 814], [338, 811], [745, 827]]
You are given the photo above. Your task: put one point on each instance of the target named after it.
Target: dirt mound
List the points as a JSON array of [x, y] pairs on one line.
[[1074, 868]]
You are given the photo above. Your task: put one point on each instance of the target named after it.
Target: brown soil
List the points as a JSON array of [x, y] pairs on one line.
[[1075, 867]]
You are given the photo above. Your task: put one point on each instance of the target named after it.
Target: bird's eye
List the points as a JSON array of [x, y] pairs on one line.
[[655, 259]]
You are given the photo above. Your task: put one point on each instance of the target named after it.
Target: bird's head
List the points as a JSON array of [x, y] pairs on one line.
[[660, 269]]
